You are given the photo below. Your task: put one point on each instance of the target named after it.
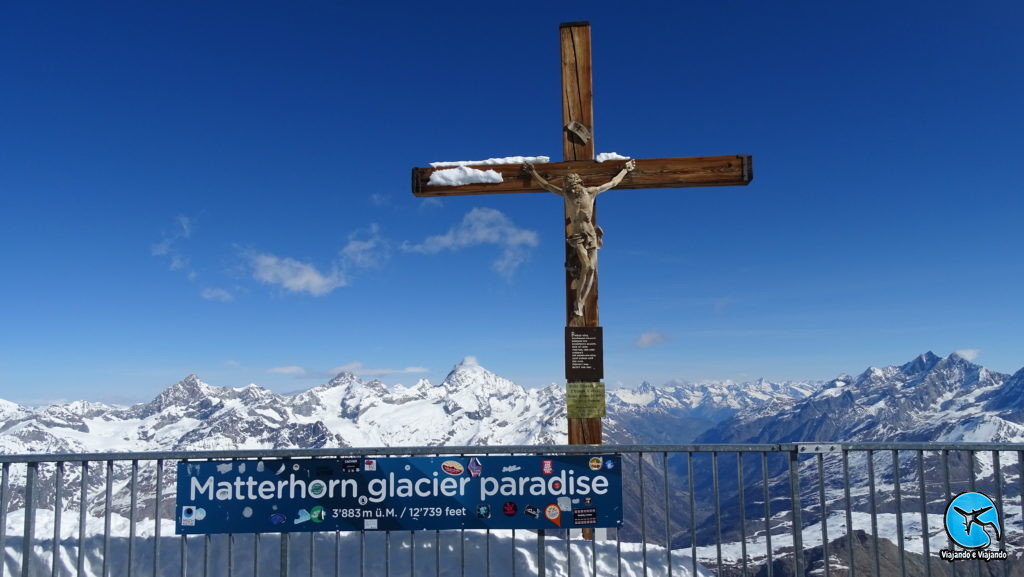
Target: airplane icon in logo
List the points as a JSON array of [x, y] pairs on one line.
[[971, 519]]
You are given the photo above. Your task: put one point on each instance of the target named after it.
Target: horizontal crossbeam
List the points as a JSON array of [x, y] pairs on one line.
[[735, 170]]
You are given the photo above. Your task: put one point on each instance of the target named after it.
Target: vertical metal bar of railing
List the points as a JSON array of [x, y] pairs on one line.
[[948, 494], [30, 519], [412, 552], [693, 513], [462, 552], [107, 500], [256, 554], [767, 513], [58, 509], [207, 542], [1020, 481], [593, 555], [285, 542], [618, 552], [387, 553], [83, 500], [997, 478], [973, 460], [743, 512], [718, 509], [568, 553], [643, 507], [795, 510], [541, 567], [156, 516], [873, 509], [926, 556], [312, 544], [131, 516], [849, 511], [668, 516], [944, 459], [362, 553], [231, 553], [487, 551], [898, 501], [820, 458], [4, 496], [514, 546]]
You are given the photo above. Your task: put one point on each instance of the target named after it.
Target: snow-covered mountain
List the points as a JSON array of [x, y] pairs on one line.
[[677, 412], [471, 406], [927, 399]]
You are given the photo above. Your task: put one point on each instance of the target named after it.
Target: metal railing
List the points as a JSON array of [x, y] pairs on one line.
[[729, 510]]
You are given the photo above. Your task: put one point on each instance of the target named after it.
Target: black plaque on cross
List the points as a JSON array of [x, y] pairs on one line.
[[584, 353]]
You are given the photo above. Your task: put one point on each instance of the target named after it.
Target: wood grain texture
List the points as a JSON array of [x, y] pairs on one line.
[[682, 172], [577, 89]]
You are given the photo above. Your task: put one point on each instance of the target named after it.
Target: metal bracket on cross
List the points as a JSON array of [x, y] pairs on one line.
[[581, 131]]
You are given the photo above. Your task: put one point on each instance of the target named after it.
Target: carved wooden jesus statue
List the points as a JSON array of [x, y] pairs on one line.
[[583, 235]]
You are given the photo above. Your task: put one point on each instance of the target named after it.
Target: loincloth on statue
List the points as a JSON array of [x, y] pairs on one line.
[[587, 239]]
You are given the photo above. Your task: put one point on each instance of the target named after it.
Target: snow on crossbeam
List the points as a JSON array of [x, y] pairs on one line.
[[502, 160], [461, 175]]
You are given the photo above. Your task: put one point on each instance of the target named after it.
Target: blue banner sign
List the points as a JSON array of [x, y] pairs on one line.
[[399, 493]]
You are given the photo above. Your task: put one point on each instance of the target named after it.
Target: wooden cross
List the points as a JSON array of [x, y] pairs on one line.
[[578, 153]]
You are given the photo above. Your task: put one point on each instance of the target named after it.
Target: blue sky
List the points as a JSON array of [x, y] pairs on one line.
[[223, 188]]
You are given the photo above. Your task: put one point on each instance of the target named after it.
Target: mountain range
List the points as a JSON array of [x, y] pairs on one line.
[[930, 398], [471, 406]]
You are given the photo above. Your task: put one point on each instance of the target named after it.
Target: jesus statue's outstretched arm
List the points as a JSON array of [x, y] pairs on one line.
[[540, 180], [630, 165]]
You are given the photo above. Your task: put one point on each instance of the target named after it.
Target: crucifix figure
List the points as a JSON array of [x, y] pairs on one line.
[[583, 178], [583, 235]]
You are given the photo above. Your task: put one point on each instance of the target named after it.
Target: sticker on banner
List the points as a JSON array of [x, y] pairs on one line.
[[553, 513]]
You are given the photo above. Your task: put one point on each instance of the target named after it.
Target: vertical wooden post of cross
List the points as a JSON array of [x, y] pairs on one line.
[[578, 144]]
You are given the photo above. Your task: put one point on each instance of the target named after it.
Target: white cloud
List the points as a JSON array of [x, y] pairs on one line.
[[294, 275], [430, 202], [161, 248], [185, 224], [483, 226], [967, 354], [380, 199], [650, 338], [168, 244], [367, 252], [216, 294], [357, 368], [288, 370]]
